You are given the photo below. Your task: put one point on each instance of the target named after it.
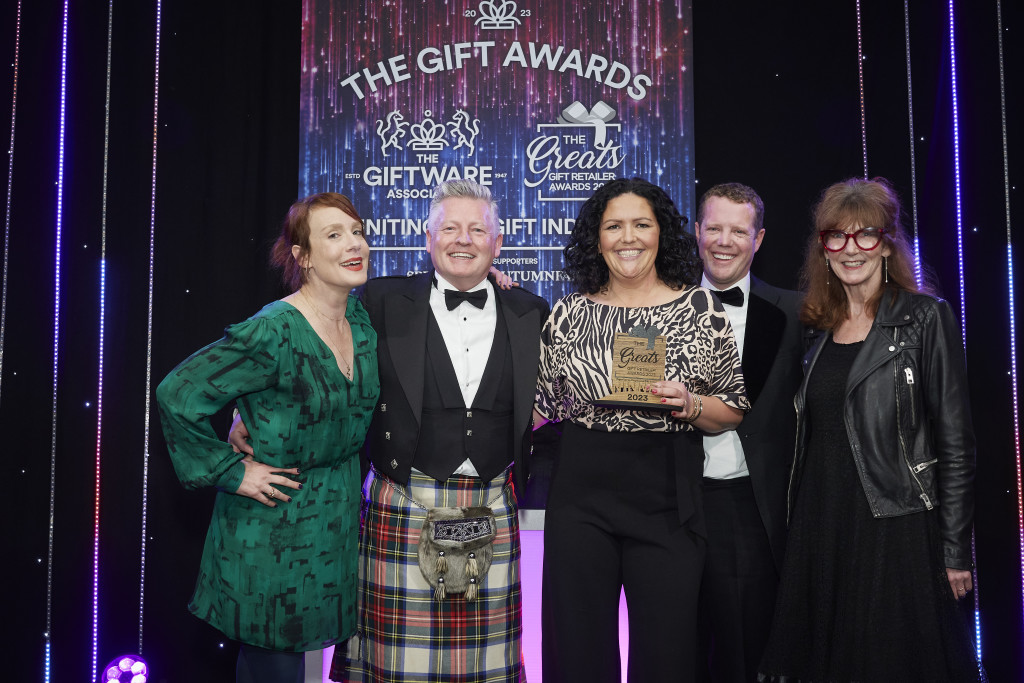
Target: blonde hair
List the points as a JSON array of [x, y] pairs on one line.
[[463, 189]]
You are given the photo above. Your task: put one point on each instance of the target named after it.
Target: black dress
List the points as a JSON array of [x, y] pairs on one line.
[[861, 599]]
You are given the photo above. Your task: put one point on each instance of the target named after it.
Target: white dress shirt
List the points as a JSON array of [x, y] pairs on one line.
[[468, 334], [723, 453]]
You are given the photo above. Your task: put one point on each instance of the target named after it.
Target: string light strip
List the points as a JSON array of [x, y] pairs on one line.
[[913, 156], [956, 174], [48, 635], [10, 186], [102, 340], [960, 261], [149, 324], [863, 111], [1009, 279]]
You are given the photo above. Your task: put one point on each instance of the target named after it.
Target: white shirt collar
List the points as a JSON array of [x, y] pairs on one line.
[[443, 284], [743, 284]]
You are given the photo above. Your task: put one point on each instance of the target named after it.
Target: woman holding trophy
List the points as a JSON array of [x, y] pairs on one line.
[[636, 363]]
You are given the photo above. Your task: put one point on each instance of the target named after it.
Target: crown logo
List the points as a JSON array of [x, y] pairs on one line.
[[428, 135], [495, 16]]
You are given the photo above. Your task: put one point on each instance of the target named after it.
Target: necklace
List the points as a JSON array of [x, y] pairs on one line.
[[347, 370], [310, 302]]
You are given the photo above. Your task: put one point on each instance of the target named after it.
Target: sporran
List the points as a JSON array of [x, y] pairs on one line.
[[456, 548]]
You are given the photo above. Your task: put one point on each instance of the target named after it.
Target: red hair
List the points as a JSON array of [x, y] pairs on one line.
[[867, 203], [295, 232]]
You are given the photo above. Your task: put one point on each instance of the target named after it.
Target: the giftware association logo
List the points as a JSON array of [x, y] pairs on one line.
[[417, 148]]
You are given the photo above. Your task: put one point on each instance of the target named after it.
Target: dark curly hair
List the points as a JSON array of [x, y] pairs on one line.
[[677, 262]]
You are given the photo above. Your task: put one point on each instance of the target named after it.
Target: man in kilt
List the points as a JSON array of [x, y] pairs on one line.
[[458, 358]]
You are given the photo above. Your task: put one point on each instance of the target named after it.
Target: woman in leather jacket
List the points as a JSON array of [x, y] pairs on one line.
[[881, 492]]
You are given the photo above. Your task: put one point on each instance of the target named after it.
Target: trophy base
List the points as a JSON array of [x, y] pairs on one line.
[[622, 401]]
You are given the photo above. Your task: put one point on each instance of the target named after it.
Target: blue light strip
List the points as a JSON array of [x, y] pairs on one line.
[[863, 111], [102, 346], [1009, 282], [10, 186], [913, 157], [956, 171], [960, 260], [56, 336], [149, 329], [1013, 376]]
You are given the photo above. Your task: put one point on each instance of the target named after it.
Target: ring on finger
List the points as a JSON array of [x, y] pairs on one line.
[[271, 494]]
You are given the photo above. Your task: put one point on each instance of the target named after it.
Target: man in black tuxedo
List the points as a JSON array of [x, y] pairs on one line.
[[457, 359], [746, 472], [400, 310]]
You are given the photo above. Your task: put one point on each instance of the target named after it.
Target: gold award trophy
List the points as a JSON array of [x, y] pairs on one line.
[[638, 359]]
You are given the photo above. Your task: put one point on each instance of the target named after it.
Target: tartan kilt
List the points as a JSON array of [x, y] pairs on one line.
[[404, 635]]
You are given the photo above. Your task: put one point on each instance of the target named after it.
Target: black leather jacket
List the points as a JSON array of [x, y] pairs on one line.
[[908, 418]]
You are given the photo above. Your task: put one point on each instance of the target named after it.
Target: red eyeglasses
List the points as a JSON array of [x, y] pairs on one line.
[[865, 238]]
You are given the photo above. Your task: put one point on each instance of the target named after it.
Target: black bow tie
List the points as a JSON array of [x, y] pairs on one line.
[[730, 297], [453, 297]]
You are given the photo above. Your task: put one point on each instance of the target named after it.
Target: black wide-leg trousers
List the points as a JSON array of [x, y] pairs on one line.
[[613, 521]]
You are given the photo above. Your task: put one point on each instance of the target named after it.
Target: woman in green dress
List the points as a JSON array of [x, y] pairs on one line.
[[278, 571]]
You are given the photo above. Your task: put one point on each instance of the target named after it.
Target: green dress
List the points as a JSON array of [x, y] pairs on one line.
[[279, 578]]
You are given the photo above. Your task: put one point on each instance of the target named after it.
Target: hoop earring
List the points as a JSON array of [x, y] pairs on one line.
[[885, 269]]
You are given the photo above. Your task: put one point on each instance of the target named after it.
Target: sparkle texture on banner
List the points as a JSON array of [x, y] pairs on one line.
[[541, 102]]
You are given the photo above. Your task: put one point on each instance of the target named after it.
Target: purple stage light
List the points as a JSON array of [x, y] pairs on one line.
[[126, 669]]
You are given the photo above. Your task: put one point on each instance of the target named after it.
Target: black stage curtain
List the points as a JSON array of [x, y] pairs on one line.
[[777, 106]]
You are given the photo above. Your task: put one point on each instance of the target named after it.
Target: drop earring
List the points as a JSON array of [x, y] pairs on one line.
[[885, 269]]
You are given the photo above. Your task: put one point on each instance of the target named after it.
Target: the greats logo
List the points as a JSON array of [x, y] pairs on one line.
[[572, 158]]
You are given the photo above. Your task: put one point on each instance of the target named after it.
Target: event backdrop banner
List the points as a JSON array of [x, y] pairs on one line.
[[541, 101]]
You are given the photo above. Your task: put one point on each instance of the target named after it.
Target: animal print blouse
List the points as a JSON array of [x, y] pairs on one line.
[[576, 359]]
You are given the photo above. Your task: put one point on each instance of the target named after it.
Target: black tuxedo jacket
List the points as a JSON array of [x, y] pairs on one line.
[[772, 351], [399, 310]]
